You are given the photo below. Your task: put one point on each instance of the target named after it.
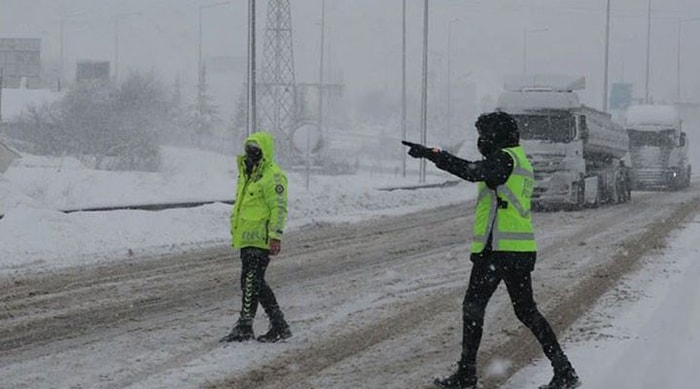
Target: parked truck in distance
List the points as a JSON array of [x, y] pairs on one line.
[[658, 148], [575, 150]]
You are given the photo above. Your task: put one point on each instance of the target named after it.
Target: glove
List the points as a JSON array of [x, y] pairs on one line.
[[417, 150], [275, 246]]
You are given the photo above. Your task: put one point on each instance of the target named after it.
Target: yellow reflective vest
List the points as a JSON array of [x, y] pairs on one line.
[[505, 213], [260, 210]]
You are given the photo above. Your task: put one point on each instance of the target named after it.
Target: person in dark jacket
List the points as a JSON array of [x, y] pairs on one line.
[[503, 246]]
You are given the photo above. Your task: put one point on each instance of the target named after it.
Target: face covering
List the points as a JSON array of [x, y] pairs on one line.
[[486, 146], [253, 155]]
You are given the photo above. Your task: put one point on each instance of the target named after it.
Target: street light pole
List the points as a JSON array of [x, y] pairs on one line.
[[60, 63], [200, 64], [199, 41], [646, 83], [524, 51], [607, 57], [61, 42], [403, 86], [117, 18], [116, 49], [1, 75], [678, 59], [424, 91], [320, 97], [251, 103], [525, 32], [678, 63], [320, 66], [449, 72]]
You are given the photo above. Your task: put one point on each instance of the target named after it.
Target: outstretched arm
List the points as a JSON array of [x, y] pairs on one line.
[[494, 170]]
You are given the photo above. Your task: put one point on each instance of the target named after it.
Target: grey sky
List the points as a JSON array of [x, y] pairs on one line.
[[364, 39]]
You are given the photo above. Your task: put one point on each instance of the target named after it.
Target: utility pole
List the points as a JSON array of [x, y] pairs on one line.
[[424, 92], [117, 19], [60, 63], [403, 86], [277, 95], [607, 57], [525, 32], [62, 23], [251, 103], [307, 177], [116, 49], [678, 59], [678, 63], [320, 66], [646, 83], [449, 72], [1, 75], [200, 65]]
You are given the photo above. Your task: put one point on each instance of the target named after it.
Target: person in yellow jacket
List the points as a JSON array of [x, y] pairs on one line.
[[258, 220], [503, 245]]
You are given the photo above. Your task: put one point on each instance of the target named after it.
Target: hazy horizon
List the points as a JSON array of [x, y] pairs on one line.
[[363, 40]]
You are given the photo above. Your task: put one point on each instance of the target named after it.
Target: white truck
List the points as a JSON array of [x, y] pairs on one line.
[[576, 151], [658, 148]]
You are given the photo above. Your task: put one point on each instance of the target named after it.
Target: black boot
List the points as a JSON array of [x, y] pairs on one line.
[[278, 331], [563, 379], [463, 378], [241, 332]]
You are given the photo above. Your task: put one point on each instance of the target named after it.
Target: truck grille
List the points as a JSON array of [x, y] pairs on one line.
[[649, 166]]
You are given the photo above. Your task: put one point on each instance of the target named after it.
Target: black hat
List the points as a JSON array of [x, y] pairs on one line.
[[499, 128]]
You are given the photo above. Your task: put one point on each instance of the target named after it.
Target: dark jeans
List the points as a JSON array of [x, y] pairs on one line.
[[488, 271], [255, 290]]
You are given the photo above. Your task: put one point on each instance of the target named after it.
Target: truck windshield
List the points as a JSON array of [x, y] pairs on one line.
[[651, 138], [558, 128]]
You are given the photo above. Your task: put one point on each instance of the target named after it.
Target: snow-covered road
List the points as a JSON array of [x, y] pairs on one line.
[[372, 304], [645, 328]]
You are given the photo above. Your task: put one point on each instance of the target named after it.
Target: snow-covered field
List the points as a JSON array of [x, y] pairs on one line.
[[646, 325], [35, 235]]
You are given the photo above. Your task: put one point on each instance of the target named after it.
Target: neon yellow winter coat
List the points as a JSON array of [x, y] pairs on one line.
[[260, 211], [510, 228]]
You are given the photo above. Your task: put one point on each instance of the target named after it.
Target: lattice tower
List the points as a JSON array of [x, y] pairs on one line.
[[277, 88]]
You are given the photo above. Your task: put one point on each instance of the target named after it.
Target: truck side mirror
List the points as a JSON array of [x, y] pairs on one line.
[[583, 128], [682, 139]]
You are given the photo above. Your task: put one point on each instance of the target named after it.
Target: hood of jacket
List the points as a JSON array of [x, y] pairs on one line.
[[266, 143]]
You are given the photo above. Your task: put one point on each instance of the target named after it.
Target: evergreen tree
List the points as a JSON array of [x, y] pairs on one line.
[[204, 115]]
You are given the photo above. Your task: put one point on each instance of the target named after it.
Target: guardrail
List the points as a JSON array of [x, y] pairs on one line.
[[192, 204], [144, 207], [422, 186]]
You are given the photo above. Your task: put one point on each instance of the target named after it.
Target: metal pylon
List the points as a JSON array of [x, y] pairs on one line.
[[277, 89]]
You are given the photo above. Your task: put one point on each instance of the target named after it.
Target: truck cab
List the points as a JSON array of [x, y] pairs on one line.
[[658, 148], [574, 149]]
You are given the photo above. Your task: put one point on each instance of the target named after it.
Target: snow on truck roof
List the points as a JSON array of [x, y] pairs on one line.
[[545, 82], [540, 92], [652, 115]]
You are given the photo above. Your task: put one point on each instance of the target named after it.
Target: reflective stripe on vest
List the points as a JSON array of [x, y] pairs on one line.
[[510, 227]]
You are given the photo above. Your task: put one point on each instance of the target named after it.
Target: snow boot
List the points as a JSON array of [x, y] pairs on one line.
[[563, 379], [277, 332], [241, 332], [463, 378]]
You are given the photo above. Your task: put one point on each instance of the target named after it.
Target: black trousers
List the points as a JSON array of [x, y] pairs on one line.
[[255, 289], [514, 269]]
